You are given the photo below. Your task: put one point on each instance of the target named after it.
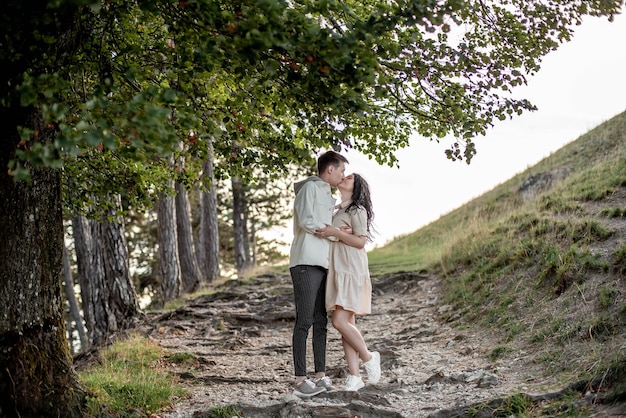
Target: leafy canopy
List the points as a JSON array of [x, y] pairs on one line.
[[269, 81]]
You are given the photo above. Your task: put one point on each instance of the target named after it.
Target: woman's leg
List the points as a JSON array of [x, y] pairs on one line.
[[352, 357], [353, 343]]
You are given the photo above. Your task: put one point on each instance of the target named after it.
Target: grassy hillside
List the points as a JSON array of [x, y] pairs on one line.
[[540, 260]]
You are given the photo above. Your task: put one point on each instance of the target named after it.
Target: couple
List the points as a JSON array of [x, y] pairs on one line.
[[329, 271]]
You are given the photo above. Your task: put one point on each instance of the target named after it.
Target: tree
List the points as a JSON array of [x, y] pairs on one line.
[[36, 374], [300, 76], [209, 241], [241, 237], [190, 274], [89, 275], [74, 315], [109, 299], [256, 209], [169, 263], [121, 295]]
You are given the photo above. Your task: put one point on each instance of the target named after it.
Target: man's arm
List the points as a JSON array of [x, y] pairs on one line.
[[304, 207]]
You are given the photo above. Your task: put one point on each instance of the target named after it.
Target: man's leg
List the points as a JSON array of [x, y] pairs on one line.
[[320, 327], [307, 281]]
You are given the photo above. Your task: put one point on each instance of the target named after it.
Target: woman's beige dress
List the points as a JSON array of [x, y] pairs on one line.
[[349, 284]]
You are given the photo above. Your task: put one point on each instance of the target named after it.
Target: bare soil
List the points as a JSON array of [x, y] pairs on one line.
[[238, 345]]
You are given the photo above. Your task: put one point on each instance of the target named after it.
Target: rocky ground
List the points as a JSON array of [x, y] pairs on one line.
[[238, 345]]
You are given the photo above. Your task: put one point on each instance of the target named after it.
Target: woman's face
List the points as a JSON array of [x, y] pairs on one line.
[[347, 185]]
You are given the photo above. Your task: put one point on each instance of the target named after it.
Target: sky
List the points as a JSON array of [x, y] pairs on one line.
[[579, 86]]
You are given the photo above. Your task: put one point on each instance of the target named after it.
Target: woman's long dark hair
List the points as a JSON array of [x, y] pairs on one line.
[[361, 199]]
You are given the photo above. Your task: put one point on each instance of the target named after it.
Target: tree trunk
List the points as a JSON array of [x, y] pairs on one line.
[[240, 227], [74, 309], [190, 274], [208, 223], [94, 290], [200, 238], [109, 298], [169, 264], [89, 275], [121, 296], [253, 245], [36, 373]]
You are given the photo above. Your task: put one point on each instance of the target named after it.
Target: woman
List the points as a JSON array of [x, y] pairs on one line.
[[348, 287]]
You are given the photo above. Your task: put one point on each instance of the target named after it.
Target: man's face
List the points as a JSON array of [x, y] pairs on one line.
[[336, 174], [347, 185]]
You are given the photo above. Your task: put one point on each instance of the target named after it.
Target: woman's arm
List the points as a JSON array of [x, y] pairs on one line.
[[357, 241]]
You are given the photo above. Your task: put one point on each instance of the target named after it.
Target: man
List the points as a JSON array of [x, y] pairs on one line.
[[308, 264]]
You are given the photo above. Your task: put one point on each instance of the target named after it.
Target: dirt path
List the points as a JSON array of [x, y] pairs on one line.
[[240, 339]]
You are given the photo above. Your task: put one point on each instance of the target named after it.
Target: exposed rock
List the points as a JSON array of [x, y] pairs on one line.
[[541, 182]]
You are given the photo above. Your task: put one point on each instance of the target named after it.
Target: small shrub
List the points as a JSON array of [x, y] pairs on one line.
[[225, 412], [588, 231], [523, 223], [180, 358], [550, 359], [614, 212], [558, 205], [560, 269], [569, 406], [607, 297], [513, 406], [593, 192], [499, 352], [537, 338], [602, 328], [619, 263]]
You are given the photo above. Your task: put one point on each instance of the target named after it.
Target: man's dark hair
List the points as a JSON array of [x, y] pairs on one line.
[[329, 158]]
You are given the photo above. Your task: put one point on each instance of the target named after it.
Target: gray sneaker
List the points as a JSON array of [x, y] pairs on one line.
[[324, 382], [307, 388]]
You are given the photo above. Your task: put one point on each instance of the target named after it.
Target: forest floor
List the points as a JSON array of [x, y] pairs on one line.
[[237, 346]]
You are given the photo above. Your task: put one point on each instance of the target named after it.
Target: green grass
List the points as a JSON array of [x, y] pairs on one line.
[[544, 272], [407, 253], [128, 381]]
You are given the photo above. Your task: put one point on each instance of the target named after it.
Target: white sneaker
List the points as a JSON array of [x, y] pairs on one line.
[[353, 383], [372, 366]]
